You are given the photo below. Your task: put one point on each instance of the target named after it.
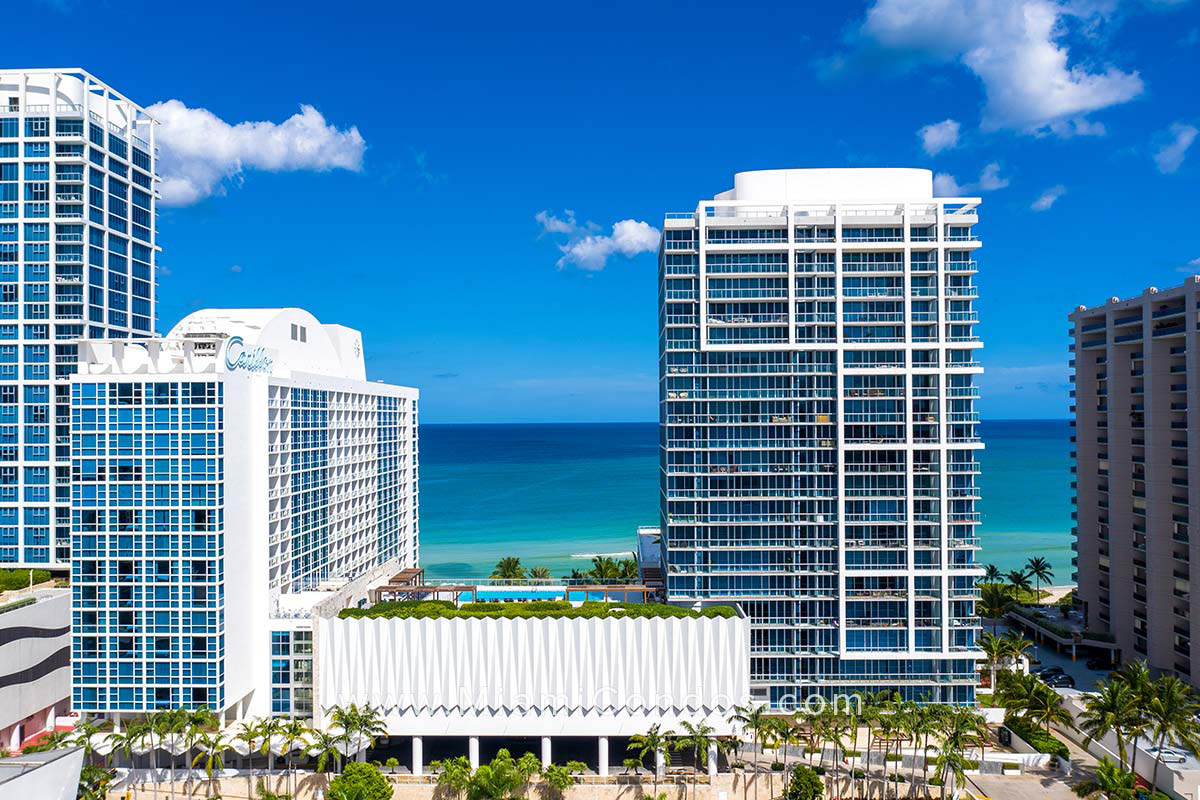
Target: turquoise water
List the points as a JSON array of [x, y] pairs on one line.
[[556, 495]]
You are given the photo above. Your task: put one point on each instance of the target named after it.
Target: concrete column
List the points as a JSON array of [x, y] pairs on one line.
[[712, 760], [546, 753], [660, 763], [602, 761], [418, 767], [473, 751]]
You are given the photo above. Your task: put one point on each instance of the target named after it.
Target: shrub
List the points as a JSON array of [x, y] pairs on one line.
[[26, 601], [805, 783], [818, 769], [392, 764], [896, 777], [970, 763], [854, 754], [540, 609], [1037, 738], [777, 766], [1010, 765], [859, 774], [934, 780], [360, 781], [894, 757], [11, 579]]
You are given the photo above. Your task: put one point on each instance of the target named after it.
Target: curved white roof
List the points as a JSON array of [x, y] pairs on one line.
[[831, 185], [295, 339]]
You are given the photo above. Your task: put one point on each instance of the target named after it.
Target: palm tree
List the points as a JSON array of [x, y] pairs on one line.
[[656, 742], [1018, 583], [85, 728], [697, 738], [539, 574], [324, 747], [994, 603], [1016, 647], [509, 569], [249, 733], [1113, 709], [1109, 781], [991, 574], [752, 719], [1039, 569], [1171, 714], [604, 570], [1136, 675], [212, 746], [293, 732], [1046, 708], [198, 721], [995, 649]]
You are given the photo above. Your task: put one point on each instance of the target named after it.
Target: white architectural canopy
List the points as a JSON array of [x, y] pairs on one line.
[[535, 677]]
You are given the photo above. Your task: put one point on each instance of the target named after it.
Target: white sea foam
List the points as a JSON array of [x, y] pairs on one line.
[[602, 555]]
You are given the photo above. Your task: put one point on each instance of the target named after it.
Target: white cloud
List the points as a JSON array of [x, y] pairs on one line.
[[588, 249], [1170, 156], [1048, 198], [990, 180], [236, 268], [1190, 268], [939, 136], [200, 150], [945, 185], [1016, 50], [553, 224]]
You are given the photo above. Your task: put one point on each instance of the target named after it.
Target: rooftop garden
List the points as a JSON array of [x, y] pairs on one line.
[[541, 609]]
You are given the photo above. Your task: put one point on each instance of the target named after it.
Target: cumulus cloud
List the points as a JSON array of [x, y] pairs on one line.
[[1190, 268], [1015, 49], [200, 151], [588, 249], [1170, 156], [945, 185], [939, 136], [1048, 198]]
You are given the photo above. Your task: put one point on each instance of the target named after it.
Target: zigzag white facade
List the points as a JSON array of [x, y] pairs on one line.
[[535, 677]]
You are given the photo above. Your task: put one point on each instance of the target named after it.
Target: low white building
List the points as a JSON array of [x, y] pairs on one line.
[[219, 471], [35, 664], [535, 677]]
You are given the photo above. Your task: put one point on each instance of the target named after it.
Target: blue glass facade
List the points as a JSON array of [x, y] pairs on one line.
[[77, 258], [148, 542]]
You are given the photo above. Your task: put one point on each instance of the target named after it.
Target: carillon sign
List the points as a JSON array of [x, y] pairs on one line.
[[237, 357]]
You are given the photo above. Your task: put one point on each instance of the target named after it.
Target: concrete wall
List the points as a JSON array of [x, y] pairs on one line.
[[30, 637]]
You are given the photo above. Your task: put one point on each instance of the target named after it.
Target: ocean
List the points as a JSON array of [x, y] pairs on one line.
[[556, 495]]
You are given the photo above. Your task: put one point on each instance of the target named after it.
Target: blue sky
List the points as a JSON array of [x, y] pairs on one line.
[[405, 200]]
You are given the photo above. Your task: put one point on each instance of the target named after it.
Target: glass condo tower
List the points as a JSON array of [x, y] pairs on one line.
[[77, 259], [818, 429]]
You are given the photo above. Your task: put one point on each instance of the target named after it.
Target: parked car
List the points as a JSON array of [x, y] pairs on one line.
[[1099, 663], [1044, 671], [1058, 681], [1168, 755]]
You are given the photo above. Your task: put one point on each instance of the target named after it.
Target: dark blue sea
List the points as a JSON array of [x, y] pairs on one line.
[[555, 495]]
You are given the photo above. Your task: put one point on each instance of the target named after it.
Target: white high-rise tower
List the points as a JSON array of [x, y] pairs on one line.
[[77, 259], [819, 434]]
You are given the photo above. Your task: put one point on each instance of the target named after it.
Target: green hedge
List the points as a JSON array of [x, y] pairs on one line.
[[19, 578], [1037, 738], [28, 601], [541, 609]]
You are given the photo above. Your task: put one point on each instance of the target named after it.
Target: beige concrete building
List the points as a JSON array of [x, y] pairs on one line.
[[1133, 407]]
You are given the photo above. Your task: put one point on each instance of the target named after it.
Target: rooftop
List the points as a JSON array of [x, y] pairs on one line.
[[538, 609]]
